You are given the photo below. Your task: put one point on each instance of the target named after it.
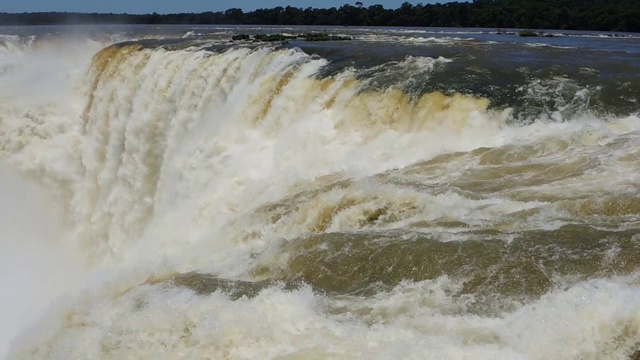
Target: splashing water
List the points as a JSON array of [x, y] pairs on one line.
[[263, 201]]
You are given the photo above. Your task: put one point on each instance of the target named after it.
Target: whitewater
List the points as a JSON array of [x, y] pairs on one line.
[[410, 194]]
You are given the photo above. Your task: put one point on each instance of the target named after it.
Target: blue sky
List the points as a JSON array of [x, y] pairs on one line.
[[177, 6]]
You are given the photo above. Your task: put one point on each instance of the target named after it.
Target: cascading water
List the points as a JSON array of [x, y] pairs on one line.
[[298, 201]]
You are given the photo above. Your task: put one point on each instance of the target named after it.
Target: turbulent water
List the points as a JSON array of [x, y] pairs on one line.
[[413, 193]]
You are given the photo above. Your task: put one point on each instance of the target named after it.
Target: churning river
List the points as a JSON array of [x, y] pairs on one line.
[[409, 194]]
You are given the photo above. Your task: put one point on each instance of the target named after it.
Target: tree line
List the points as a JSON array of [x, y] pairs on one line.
[[602, 15]]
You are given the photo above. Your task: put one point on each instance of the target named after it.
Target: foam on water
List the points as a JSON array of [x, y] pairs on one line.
[[234, 162], [595, 319]]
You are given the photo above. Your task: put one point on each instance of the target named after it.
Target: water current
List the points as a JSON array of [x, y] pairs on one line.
[[409, 194]]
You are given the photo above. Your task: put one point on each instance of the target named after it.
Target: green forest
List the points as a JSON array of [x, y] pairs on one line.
[[602, 15]]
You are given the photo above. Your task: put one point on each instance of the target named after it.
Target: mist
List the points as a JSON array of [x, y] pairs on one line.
[[36, 267]]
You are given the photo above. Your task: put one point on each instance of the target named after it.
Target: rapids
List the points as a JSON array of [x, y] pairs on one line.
[[391, 197]]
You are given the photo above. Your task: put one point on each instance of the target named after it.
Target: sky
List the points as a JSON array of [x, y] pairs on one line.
[[178, 6]]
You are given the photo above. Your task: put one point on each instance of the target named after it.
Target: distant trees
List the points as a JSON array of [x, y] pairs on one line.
[[606, 15]]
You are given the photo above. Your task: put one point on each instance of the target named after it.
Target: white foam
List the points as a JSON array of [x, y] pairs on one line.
[[416, 320], [165, 169]]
